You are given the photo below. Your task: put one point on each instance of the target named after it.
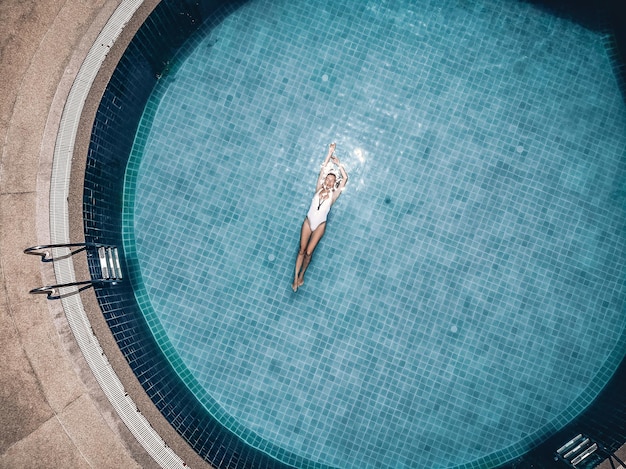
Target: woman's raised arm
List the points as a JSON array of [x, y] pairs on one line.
[[331, 150], [344, 178]]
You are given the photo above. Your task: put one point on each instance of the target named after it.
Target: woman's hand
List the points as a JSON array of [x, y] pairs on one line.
[[329, 156]]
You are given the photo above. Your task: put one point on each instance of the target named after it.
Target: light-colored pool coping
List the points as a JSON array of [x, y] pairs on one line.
[[75, 313], [105, 359]]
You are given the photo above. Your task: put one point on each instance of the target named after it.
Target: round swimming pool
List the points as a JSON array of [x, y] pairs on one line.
[[467, 298]]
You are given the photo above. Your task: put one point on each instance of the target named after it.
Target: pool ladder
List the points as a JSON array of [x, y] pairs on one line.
[[109, 262], [578, 449]]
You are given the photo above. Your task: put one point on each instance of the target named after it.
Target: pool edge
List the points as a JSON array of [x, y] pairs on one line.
[[165, 445]]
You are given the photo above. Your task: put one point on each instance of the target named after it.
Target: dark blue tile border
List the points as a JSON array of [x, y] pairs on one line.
[[147, 57]]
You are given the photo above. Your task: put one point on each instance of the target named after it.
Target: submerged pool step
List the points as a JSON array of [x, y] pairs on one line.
[[578, 450], [109, 263]]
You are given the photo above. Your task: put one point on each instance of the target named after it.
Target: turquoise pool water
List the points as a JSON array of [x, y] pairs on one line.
[[468, 295]]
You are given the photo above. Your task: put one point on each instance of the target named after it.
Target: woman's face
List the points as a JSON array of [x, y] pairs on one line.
[[330, 181]]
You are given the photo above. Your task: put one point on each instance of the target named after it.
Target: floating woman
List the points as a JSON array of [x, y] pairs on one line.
[[327, 191]]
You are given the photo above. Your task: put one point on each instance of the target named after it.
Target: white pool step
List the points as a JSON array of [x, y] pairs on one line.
[[109, 263]]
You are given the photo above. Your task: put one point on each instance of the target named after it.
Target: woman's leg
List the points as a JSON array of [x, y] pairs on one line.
[[305, 235], [313, 240]]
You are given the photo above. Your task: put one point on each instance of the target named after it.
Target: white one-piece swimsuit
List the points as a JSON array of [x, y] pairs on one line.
[[318, 212]]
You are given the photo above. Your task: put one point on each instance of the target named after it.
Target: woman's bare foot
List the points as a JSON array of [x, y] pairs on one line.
[[297, 283]]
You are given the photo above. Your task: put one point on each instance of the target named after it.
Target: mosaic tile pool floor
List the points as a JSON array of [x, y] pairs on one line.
[[468, 296]]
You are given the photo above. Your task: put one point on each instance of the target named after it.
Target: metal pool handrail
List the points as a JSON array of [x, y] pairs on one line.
[[44, 255], [110, 268], [50, 289]]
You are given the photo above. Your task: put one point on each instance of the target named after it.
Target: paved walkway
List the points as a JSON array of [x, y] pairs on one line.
[[52, 412]]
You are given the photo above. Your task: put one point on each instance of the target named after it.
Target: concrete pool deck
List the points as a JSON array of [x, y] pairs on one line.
[[53, 412]]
